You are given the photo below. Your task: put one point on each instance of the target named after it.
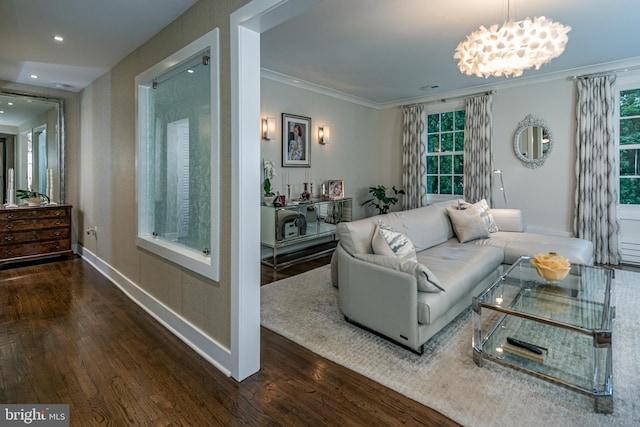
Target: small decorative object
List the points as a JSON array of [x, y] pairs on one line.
[[296, 141], [551, 266], [380, 200], [33, 198], [336, 189], [305, 194], [269, 172]]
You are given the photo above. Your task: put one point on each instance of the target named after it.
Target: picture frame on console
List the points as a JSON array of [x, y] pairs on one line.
[[336, 189], [296, 141]]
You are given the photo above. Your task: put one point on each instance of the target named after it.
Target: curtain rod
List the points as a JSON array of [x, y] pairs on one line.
[[489, 92], [603, 73]]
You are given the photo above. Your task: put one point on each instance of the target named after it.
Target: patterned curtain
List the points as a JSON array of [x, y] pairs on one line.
[[596, 198], [414, 166], [478, 152]]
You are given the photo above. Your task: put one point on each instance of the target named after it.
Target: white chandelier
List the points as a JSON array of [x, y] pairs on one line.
[[515, 47]]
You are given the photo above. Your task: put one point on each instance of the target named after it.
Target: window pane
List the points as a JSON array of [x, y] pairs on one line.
[[630, 131], [458, 164], [458, 185], [432, 184], [630, 103], [432, 165], [460, 115], [447, 122], [447, 142], [445, 185], [433, 144], [433, 123], [459, 141], [446, 165], [630, 191], [629, 162]]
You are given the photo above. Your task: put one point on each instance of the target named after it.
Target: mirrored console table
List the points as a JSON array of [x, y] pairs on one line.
[[299, 223]]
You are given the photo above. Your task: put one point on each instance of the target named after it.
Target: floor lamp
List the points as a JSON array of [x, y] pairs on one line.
[[504, 194]]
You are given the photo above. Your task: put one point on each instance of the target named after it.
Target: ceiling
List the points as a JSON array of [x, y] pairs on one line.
[[380, 51]]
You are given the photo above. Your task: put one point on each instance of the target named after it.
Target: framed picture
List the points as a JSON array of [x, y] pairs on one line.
[[296, 141], [336, 189]]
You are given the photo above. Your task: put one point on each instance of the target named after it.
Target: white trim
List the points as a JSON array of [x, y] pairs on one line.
[[192, 336], [246, 25]]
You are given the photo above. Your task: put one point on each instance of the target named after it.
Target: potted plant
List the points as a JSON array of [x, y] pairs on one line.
[[380, 200], [33, 198], [269, 172]]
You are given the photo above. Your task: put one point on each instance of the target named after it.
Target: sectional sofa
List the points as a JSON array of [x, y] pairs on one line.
[[435, 259]]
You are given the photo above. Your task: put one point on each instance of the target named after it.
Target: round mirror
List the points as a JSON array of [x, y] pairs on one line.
[[532, 142]]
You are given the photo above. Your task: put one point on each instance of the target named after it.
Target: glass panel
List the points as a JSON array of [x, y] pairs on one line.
[[458, 164], [459, 118], [458, 185], [629, 162], [447, 122], [432, 165], [630, 131], [630, 103], [432, 184], [630, 191], [446, 165], [459, 141], [445, 185], [178, 147], [447, 142], [433, 123], [433, 144]]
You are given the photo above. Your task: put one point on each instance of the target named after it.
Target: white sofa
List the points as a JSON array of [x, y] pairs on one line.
[[400, 299]]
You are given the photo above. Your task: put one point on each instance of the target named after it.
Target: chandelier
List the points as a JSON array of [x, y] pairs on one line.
[[511, 49]]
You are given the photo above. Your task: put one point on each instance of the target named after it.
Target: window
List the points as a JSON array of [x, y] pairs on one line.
[[178, 157], [445, 153], [630, 147]]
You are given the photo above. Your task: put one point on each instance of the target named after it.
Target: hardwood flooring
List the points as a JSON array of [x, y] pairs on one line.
[[67, 335]]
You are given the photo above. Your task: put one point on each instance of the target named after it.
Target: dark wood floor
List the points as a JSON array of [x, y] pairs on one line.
[[67, 335]]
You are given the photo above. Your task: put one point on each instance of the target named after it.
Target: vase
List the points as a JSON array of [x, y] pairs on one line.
[[34, 201], [268, 200]]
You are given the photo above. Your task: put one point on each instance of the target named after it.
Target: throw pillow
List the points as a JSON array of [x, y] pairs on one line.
[[467, 224], [485, 213], [387, 241]]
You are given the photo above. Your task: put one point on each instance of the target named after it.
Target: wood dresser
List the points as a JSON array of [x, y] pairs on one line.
[[33, 232]]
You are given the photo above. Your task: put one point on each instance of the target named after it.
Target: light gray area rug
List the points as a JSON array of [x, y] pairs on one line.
[[304, 308]]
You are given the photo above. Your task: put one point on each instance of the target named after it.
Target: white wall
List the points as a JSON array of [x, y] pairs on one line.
[[353, 155]]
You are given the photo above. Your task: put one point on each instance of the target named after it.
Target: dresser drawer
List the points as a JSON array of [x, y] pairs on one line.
[[34, 223], [26, 213], [34, 235], [25, 249]]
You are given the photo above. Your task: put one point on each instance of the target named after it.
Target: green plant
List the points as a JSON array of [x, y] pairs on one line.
[[380, 200], [28, 194]]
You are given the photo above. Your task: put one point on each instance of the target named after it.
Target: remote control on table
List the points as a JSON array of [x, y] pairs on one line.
[[523, 344]]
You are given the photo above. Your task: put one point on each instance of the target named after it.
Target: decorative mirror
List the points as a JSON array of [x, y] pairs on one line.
[[32, 143], [532, 142]]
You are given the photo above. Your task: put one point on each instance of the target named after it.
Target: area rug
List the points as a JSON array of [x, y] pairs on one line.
[[304, 309]]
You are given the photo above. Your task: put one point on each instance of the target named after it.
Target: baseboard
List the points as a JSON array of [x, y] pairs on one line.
[[202, 344]]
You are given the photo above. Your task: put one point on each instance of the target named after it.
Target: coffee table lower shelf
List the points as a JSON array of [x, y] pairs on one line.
[[569, 359]]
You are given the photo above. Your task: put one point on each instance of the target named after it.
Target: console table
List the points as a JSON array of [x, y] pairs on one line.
[[301, 222], [33, 232]]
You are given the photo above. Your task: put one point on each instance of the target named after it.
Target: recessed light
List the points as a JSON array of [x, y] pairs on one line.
[[9, 103], [190, 71], [58, 38], [1, 112], [33, 76]]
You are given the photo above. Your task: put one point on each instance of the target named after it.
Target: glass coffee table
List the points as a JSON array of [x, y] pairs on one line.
[[561, 332]]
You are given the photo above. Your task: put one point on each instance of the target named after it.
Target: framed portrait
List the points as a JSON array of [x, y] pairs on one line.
[[336, 189], [296, 141]]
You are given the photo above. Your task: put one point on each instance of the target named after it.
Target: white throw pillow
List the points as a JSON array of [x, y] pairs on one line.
[[485, 213], [467, 224], [387, 241]]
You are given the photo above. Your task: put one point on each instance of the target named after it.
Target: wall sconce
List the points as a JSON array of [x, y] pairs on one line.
[[269, 128], [324, 135]]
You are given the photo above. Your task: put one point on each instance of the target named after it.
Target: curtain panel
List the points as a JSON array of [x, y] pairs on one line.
[[478, 149], [414, 168], [596, 196]]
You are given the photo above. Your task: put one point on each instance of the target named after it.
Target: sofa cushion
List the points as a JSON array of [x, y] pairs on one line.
[[459, 268], [467, 224], [508, 219], [426, 280], [514, 245], [389, 242]]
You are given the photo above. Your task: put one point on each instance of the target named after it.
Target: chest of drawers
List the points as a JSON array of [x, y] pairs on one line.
[[32, 232]]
